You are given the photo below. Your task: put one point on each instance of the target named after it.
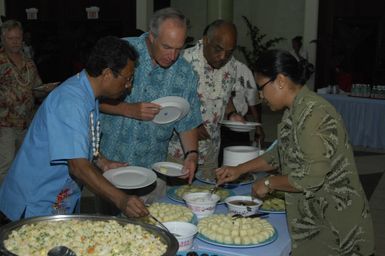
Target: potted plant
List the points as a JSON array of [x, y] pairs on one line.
[[258, 42]]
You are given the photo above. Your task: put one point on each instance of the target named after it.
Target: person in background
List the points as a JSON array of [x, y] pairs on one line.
[[60, 152], [18, 76], [297, 50], [27, 45], [212, 59], [327, 210], [245, 99], [129, 134]]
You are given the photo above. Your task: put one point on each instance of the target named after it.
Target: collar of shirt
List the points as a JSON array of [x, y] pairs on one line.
[[94, 102]]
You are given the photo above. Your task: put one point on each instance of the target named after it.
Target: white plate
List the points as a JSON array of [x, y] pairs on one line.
[[239, 126], [130, 177], [173, 108], [250, 178], [172, 169]]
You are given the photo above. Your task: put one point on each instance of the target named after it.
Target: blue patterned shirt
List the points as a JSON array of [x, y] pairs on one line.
[[143, 143]]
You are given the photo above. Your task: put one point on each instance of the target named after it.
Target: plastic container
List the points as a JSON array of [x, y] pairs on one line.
[[184, 232], [240, 205], [202, 204]]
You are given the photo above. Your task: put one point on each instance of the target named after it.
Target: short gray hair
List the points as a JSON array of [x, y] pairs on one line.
[[10, 24], [163, 14]]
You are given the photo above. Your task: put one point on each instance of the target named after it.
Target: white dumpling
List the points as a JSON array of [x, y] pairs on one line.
[[228, 240], [234, 232], [237, 240], [246, 240]]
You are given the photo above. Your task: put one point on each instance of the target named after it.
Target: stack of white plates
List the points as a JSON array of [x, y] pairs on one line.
[[239, 126], [234, 155]]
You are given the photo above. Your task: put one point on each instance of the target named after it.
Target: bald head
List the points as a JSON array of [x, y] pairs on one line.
[[219, 43]]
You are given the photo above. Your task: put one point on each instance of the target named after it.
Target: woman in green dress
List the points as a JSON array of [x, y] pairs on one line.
[[327, 211]]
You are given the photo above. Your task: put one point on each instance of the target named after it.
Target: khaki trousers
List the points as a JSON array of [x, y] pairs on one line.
[[11, 139]]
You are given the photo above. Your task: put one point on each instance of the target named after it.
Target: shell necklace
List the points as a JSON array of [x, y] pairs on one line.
[[95, 136], [16, 73]]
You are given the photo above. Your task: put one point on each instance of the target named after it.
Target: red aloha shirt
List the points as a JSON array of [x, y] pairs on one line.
[[16, 98]]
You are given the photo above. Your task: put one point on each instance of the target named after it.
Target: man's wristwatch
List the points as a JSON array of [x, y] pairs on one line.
[[268, 184]]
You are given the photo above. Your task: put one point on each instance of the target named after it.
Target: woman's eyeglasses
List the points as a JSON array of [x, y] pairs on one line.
[[260, 87]]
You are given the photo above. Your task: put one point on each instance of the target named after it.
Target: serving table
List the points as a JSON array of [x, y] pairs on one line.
[[364, 119], [280, 247]]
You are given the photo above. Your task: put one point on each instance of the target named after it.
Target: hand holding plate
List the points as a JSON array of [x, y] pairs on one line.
[[143, 110]]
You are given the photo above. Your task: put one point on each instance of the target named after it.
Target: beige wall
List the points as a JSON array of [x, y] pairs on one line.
[[275, 18], [196, 12]]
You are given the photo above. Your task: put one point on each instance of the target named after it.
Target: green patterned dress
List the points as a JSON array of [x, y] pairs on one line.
[[330, 216]]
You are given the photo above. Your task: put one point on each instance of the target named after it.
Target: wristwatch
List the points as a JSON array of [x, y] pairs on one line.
[[268, 184]]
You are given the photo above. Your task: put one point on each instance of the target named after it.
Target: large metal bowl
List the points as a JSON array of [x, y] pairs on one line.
[[164, 236]]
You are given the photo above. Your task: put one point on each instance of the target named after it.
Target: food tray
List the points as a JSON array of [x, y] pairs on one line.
[[165, 237]]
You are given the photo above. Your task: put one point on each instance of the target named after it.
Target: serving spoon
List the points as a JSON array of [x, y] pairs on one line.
[[163, 226], [61, 250]]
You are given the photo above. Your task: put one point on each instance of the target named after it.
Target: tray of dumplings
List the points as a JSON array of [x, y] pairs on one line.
[[170, 212], [224, 230]]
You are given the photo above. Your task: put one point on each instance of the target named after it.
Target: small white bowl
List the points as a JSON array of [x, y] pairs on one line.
[[237, 205], [201, 203], [184, 232]]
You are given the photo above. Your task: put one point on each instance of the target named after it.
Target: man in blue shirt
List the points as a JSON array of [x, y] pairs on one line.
[[128, 134], [55, 159]]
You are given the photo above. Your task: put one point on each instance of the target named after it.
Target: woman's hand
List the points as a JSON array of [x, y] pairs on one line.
[[227, 174], [259, 189]]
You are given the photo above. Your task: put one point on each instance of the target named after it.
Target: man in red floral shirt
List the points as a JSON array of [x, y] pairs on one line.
[[18, 75]]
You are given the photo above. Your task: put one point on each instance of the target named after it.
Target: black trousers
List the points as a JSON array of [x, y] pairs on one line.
[[3, 219]]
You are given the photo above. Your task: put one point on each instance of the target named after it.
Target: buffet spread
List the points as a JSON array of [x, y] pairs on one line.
[[104, 235]]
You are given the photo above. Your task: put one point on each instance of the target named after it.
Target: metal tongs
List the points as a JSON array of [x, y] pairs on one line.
[[255, 215], [214, 189]]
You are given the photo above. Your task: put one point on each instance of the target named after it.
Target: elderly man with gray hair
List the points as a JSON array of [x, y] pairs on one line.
[[18, 75], [128, 133]]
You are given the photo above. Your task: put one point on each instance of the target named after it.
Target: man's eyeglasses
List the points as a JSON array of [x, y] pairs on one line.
[[128, 79], [260, 87]]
